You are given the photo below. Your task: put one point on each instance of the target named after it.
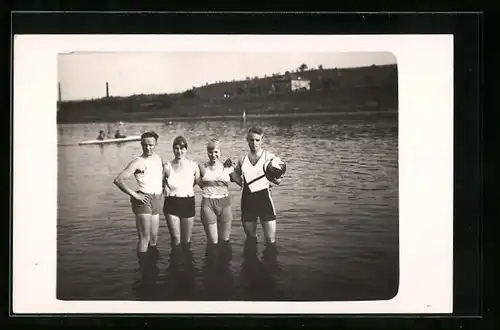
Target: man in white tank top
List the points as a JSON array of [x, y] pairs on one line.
[[256, 200], [146, 200]]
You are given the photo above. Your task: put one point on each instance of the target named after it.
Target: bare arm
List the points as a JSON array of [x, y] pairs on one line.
[[127, 174], [277, 181], [236, 174], [270, 155], [197, 176], [166, 173], [202, 171]]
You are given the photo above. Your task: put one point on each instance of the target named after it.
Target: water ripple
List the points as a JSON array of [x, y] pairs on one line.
[[337, 216]]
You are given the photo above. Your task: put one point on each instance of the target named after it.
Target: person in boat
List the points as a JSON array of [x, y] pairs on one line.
[[146, 200], [101, 135], [180, 176], [118, 135], [256, 199], [216, 213]]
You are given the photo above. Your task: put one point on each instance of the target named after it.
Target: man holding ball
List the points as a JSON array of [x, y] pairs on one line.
[[255, 172]]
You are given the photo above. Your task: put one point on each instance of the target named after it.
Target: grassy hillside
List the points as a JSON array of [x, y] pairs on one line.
[[352, 89]]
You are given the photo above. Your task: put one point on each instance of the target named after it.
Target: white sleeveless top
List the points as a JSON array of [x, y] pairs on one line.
[[150, 177], [254, 174], [216, 181], [181, 180]]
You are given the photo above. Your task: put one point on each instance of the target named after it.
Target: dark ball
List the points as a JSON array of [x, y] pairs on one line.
[[275, 168]]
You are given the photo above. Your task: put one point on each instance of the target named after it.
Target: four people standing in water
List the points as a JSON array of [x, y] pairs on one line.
[[175, 180]]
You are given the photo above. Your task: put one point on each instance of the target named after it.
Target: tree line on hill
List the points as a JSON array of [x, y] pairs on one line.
[[325, 80], [319, 78]]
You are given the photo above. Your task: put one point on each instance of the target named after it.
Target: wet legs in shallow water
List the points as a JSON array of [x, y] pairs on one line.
[[147, 231], [217, 275], [269, 229], [210, 255], [175, 256], [270, 258], [218, 254], [260, 275], [250, 249], [148, 268], [180, 275], [180, 230], [143, 224], [224, 252], [218, 236], [251, 268]]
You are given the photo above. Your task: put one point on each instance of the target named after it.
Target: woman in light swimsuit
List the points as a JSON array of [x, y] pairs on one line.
[[215, 211], [180, 176]]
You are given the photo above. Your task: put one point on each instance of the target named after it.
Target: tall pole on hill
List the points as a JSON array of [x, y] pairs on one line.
[[59, 96], [107, 89]]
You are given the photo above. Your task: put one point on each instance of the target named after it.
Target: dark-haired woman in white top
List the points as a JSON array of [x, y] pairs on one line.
[[180, 176]]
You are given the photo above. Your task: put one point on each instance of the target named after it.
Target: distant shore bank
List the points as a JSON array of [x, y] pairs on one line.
[[166, 119], [284, 115]]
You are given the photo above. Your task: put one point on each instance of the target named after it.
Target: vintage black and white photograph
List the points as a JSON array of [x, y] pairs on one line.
[[234, 174], [240, 176]]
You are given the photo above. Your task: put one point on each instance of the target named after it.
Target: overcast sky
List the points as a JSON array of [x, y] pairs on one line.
[[83, 75]]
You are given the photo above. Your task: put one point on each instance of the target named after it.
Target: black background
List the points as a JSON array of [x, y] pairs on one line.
[[473, 306]]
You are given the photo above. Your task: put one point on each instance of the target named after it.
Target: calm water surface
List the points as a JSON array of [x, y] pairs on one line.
[[337, 216]]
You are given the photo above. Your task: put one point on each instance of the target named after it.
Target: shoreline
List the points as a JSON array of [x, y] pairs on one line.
[[166, 119]]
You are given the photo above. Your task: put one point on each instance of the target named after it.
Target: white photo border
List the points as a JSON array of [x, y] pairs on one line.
[[425, 84]]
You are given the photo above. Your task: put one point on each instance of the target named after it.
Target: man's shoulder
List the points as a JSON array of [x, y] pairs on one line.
[[137, 162], [138, 159], [202, 166], [166, 163], [242, 158], [194, 164], [158, 157], [270, 154]]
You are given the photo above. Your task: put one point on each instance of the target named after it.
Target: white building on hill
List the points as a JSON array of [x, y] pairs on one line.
[[300, 84]]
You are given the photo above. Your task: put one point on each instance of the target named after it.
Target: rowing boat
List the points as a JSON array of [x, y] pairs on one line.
[[114, 140]]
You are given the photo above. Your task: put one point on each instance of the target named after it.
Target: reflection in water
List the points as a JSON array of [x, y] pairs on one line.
[[337, 216], [260, 275], [110, 129], [180, 276]]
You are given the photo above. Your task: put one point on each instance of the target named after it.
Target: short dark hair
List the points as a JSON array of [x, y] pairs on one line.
[[150, 134], [256, 129], [180, 141]]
